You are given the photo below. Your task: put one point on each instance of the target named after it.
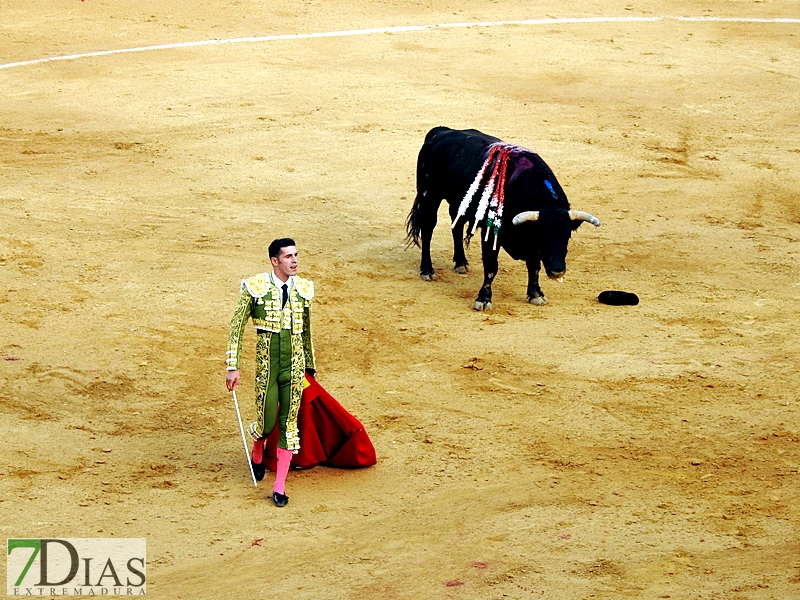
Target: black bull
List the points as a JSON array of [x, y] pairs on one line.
[[537, 221]]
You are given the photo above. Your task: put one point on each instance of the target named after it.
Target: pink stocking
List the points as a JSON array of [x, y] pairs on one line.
[[284, 460]]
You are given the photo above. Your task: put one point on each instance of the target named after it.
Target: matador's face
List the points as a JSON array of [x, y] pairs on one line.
[[285, 264]]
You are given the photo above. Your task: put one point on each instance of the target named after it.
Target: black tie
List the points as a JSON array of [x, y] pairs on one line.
[[285, 288]]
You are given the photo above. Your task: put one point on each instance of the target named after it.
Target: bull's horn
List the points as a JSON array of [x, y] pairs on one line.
[[528, 215], [579, 215]]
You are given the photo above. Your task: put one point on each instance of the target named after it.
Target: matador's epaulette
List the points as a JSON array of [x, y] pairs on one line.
[[304, 287], [257, 285]]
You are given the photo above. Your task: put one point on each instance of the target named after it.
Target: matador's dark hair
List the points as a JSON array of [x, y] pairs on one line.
[[276, 246]]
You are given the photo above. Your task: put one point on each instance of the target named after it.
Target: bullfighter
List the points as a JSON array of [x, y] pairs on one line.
[[279, 304]]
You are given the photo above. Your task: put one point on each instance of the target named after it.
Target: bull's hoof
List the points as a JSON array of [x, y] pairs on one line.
[[428, 276], [483, 305], [461, 269], [537, 300]]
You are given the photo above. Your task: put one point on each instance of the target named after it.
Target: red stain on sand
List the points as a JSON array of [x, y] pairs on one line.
[[454, 583]]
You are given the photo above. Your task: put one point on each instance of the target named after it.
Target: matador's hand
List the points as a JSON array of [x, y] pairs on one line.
[[231, 380]]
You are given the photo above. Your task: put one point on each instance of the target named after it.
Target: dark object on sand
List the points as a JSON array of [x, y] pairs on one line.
[[617, 298]]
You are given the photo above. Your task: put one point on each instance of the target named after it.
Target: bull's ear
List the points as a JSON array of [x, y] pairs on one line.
[[576, 224]]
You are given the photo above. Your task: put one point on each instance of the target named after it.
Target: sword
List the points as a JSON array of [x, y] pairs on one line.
[[244, 441]]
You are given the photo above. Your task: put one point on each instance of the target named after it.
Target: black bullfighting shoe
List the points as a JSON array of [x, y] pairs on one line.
[[257, 459], [280, 500], [259, 470]]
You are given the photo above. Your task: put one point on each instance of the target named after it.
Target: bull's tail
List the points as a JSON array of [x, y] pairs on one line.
[[414, 222], [415, 217], [424, 200]]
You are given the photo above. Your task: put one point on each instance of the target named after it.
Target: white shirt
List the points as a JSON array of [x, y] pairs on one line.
[[287, 310]]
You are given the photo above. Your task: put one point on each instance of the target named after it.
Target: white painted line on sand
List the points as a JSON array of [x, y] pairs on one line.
[[399, 29]]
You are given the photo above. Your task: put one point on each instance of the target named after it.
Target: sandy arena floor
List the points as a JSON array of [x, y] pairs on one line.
[[569, 451]]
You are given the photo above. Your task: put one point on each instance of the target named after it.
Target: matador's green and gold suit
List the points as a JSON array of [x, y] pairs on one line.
[[283, 350]]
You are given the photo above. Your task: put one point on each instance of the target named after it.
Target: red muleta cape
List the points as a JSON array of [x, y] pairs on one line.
[[329, 435]]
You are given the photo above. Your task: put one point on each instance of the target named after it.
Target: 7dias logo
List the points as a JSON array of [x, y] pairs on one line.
[[76, 567]]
